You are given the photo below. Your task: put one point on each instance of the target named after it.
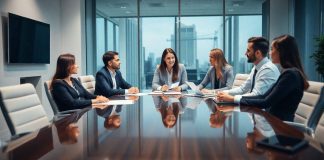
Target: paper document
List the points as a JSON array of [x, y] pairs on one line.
[[170, 92], [136, 94], [116, 102], [174, 85], [194, 103], [197, 91]]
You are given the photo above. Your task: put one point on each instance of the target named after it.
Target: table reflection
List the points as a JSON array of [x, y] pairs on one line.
[[111, 114], [170, 107]]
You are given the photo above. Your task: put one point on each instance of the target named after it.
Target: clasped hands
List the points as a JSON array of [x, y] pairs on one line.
[[224, 97], [133, 90]]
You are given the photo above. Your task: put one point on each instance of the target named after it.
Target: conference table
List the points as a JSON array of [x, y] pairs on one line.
[[160, 127]]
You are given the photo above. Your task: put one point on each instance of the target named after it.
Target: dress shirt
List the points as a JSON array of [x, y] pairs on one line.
[[169, 74], [266, 76], [113, 77]]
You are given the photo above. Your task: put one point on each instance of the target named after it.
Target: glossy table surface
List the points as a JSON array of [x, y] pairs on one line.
[[160, 127]]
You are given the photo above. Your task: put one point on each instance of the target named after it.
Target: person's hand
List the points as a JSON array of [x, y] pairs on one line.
[[99, 106], [135, 98], [205, 91], [101, 99], [225, 108], [133, 90], [177, 89], [224, 97], [165, 98], [165, 88]]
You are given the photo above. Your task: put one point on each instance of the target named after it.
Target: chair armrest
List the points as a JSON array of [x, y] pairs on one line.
[[301, 127]]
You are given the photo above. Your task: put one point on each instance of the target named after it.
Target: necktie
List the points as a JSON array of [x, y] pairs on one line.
[[253, 79]]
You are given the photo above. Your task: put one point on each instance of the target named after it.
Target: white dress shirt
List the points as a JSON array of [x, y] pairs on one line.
[[113, 77], [267, 74]]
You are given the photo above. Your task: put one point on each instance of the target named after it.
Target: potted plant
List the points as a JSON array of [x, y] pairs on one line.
[[318, 56]]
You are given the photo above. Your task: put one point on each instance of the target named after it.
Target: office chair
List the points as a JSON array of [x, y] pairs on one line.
[[22, 108], [319, 136], [53, 103], [239, 79], [312, 120], [88, 82], [307, 103]]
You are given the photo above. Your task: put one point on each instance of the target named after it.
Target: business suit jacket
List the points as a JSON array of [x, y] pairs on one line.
[[283, 98], [104, 83], [161, 79], [67, 98], [224, 84]]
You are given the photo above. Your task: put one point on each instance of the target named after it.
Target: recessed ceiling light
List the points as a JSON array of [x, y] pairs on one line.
[[122, 7]]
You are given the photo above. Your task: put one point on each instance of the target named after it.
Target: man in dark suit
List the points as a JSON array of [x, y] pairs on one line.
[[109, 80]]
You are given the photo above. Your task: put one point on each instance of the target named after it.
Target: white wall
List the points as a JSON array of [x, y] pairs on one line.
[[66, 30]]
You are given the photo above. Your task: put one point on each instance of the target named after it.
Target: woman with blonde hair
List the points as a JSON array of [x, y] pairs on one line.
[[220, 74]]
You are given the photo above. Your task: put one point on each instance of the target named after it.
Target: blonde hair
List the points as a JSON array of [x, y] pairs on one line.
[[218, 55]]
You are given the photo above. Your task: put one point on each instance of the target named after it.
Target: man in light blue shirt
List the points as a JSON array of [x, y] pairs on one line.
[[263, 75]]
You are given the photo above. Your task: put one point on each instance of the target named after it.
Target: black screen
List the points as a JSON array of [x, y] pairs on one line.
[[29, 40]]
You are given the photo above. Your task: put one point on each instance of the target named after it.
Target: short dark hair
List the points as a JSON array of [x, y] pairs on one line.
[[108, 56], [260, 43]]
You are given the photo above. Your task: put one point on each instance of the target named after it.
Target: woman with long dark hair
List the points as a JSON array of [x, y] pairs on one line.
[[68, 92], [283, 98], [168, 72], [220, 74]]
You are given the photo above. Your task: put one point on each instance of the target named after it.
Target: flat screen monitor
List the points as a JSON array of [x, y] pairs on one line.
[[28, 40]]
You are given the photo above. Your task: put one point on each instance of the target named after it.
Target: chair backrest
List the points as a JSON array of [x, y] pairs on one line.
[[4, 129], [22, 108], [317, 111], [88, 82], [239, 79], [319, 136], [50, 98], [307, 103]]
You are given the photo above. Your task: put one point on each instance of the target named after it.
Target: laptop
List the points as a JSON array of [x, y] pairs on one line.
[[197, 91]]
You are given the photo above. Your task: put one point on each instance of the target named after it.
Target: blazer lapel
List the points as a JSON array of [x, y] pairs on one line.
[[109, 78]]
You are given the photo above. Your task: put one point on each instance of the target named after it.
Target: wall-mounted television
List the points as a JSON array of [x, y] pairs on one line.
[[28, 40]]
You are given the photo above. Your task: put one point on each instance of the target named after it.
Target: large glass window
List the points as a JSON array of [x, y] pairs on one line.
[[154, 43], [191, 28]]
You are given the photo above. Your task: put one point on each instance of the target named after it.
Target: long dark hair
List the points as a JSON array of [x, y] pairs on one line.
[[289, 54], [63, 66], [163, 110], [163, 65]]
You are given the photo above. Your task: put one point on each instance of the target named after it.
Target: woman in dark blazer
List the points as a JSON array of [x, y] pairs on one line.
[[68, 92], [283, 98], [169, 72], [220, 74]]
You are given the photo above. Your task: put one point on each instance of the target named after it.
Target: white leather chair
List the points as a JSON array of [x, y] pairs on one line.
[[307, 103], [308, 114], [239, 79], [88, 82], [319, 132], [22, 108]]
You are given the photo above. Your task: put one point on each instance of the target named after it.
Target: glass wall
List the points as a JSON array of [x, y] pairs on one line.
[[191, 28]]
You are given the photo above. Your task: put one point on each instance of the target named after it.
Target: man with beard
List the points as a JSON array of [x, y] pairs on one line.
[[263, 75], [109, 80]]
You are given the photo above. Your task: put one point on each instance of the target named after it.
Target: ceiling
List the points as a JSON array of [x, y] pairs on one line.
[[128, 8]]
